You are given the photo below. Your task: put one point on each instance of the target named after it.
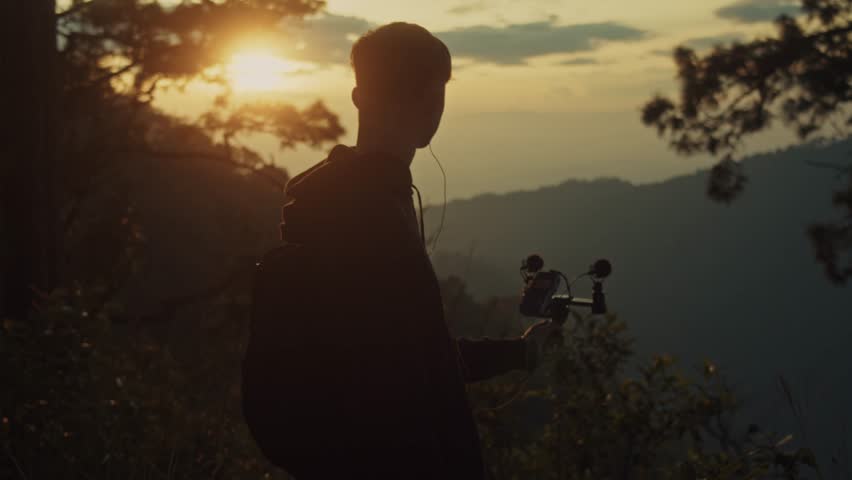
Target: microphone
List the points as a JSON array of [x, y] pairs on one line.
[[600, 269], [533, 263]]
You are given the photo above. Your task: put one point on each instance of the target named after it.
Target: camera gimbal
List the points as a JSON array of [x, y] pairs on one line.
[[539, 298]]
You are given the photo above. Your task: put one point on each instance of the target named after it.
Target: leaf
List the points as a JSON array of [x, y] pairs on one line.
[[709, 369], [806, 456], [784, 440]]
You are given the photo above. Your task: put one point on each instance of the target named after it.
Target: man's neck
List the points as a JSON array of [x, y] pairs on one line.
[[374, 144]]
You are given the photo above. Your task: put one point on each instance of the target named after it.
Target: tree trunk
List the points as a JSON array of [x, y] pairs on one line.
[[27, 155]]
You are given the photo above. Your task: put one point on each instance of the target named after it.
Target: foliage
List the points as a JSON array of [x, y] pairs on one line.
[[105, 398], [112, 59], [116, 56], [85, 397], [583, 416], [604, 424], [802, 76], [89, 391]]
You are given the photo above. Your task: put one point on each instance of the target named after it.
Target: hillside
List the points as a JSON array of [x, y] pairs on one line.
[[735, 283]]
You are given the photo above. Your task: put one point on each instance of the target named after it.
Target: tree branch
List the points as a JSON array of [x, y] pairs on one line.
[[74, 9], [225, 159], [105, 77], [170, 306]]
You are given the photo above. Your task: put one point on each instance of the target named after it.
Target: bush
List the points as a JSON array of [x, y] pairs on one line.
[[605, 424], [84, 397]]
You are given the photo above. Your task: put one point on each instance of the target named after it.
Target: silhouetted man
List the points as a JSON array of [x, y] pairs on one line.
[[360, 378]]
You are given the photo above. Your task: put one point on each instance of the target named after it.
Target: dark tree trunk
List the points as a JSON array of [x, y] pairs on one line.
[[28, 235]]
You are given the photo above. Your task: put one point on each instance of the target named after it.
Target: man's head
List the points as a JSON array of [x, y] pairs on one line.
[[401, 71]]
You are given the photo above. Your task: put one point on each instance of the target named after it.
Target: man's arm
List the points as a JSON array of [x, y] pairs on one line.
[[485, 358]]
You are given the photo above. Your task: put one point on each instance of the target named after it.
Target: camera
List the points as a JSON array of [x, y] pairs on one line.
[[539, 296]]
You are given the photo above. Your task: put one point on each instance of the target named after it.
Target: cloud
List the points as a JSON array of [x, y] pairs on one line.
[[580, 61], [466, 8], [323, 40], [702, 43], [753, 11], [327, 40], [516, 43]]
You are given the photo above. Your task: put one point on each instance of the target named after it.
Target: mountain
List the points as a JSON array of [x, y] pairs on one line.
[[734, 283]]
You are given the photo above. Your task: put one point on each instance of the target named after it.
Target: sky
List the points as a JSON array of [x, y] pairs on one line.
[[543, 91]]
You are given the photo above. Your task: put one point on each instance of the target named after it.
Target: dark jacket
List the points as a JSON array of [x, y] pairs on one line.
[[360, 377]]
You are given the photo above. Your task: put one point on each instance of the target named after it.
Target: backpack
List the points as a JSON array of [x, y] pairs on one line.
[[268, 360]]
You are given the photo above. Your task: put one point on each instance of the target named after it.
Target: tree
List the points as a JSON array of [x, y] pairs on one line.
[[88, 389], [28, 148], [88, 76], [802, 76]]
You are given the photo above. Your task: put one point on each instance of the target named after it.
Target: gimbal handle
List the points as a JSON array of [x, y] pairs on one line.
[[560, 303]]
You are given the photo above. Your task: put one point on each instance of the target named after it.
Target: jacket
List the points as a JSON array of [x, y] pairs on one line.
[[359, 376]]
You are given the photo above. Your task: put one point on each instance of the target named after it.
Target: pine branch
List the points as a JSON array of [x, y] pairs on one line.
[[224, 159], [74, 9]]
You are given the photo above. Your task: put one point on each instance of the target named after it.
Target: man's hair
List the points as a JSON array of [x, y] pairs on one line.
[[399, 59]]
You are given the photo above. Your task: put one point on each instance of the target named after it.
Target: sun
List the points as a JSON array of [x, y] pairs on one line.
[[260, 70]]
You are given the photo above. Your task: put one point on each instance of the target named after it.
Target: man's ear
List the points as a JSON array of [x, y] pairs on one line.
[[356, 98]]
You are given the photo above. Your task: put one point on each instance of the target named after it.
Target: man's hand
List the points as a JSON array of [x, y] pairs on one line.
[[537, 337]]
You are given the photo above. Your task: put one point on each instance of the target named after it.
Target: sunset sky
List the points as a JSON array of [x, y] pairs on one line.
[[543, 90]]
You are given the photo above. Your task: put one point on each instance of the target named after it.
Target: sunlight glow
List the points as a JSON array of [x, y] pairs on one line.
[[258, 70]]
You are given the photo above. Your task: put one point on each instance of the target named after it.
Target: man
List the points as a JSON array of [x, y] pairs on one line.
[[361, 378]]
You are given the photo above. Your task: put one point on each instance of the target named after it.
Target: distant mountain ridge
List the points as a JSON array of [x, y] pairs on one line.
[[735, 283]]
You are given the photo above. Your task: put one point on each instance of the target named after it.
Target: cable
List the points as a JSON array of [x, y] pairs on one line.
[[567, 283], [444, 209], [459, 357], [523, 383], [578, 277], [420, 204], [521, 388]]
